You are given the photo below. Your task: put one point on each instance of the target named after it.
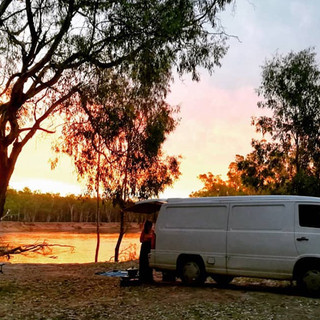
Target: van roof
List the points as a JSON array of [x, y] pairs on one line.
[[153, 205], [243, 199]]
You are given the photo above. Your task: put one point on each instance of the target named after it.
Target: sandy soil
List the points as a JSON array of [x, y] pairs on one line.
[[75, 291]]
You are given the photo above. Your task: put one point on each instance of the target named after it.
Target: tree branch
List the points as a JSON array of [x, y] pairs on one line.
[[3, 6], [57, 39], [9, 82], [34, 36], [39, 128], [7, 251], [50, 110]]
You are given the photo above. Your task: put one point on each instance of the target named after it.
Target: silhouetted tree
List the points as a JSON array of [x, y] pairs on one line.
[[215, 186], [289, 160], [49, 49]]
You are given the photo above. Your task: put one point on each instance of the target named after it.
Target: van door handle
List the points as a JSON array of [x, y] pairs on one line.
[[302, 239]]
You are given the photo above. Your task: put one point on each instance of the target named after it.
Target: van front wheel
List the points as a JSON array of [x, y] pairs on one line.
[[192, 273]]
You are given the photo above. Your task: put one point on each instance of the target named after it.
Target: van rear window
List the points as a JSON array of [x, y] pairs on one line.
[[309, 215]]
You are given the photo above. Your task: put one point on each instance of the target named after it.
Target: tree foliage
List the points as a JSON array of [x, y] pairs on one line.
[[124, 129], [215, 186], [287, 159], [49, 49], [116, 141]]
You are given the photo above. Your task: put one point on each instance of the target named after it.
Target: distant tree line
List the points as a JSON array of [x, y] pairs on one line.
[[35, 206]]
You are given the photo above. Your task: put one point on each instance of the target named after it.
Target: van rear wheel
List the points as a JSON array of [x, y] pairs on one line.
[[192, 273], [309, 281]]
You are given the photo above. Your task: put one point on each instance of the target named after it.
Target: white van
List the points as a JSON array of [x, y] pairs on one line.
[[274, 237]]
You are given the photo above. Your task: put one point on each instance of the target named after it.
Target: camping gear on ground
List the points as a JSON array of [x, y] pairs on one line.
[[129, 277]]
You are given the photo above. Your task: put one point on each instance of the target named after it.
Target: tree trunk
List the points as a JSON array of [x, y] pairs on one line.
[[98, 233], [116, 253], [3, 193], [6, 169], [98, 226], [71, 212], [4, 181], [8, 160], [98, 207]]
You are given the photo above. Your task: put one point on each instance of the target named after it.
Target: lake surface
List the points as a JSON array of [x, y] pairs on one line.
[[82, 251]]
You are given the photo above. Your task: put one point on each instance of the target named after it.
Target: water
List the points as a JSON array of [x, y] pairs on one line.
[[82, 251]]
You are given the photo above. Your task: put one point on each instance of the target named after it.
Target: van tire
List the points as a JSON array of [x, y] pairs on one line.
[[222, 279], [192, 272], [309, 281]]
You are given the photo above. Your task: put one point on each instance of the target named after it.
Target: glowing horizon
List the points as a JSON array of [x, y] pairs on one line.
[[47, 186]]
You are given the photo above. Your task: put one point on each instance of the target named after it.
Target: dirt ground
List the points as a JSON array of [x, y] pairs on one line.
[[75, 291]]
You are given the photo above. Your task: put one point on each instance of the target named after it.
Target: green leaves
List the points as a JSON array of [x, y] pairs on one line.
[[289, 163]]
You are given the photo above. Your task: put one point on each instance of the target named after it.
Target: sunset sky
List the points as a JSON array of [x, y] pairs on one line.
[[215, 112]]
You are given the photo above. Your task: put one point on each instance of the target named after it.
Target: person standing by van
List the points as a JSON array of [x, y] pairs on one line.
[[147, 239]]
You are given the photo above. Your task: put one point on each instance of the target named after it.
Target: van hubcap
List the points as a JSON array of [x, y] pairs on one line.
[[191, 271]]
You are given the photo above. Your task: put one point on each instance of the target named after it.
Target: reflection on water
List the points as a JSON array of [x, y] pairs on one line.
[[83, 251]]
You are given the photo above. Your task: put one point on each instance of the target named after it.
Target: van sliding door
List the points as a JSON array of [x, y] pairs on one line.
[[260, 240], [193, 230]]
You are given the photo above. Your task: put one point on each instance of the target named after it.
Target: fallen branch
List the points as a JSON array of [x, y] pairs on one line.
[[41, 248]]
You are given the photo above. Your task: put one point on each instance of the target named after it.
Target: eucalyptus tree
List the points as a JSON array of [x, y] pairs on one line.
[[116, 140], [49, 49], [287, 157], [288, 161]]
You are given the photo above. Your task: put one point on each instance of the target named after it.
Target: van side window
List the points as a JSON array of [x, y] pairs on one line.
[[196, 217], [257, 217], [309, 215]]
